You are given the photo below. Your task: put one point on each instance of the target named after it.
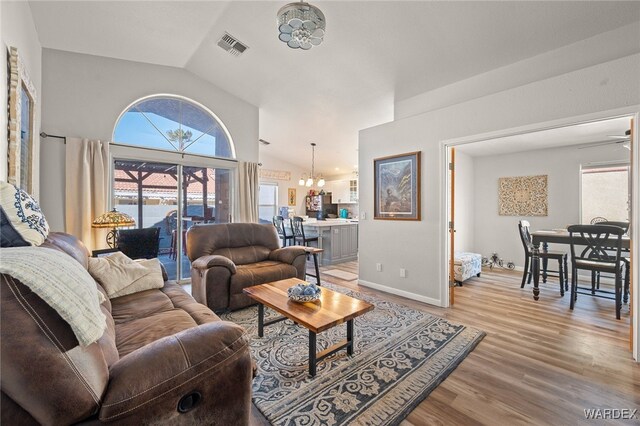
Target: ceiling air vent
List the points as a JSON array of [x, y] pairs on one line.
[[232, 45]]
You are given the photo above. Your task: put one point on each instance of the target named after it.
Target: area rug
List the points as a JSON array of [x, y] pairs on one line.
[[343, 275], [400, 356]]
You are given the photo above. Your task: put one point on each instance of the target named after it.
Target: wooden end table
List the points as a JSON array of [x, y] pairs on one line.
[[332, 309], [313, 251]]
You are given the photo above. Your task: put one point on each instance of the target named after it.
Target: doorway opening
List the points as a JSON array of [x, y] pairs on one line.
[[564, 155]]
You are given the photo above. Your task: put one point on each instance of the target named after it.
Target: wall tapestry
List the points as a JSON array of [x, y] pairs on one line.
[[523, 196], [397, 187], [274, 174]]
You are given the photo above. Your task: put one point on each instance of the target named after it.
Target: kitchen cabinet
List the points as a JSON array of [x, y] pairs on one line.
[[339, 240], [344, 191]]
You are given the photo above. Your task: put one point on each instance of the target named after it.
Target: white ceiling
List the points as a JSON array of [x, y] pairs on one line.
[[374, 52], [584, 134]]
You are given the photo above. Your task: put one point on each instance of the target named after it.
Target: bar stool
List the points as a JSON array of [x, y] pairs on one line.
[[298, 232], [278, 222]]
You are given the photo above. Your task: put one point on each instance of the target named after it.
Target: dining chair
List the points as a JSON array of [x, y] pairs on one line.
[[545, 255], [139, 243], [597, 256], [298, 232], [278, 222], [595, 277]]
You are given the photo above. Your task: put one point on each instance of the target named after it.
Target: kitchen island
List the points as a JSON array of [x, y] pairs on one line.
[[338, 239]]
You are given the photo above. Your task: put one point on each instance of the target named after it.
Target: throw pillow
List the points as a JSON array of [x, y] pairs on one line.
[[119, 275], [22, 222]]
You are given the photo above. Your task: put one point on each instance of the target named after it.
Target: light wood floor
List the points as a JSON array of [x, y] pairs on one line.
[[540, 363]]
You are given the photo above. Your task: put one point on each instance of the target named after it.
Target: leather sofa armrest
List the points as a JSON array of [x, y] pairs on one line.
[[286, 254], [148, 385], [206, 262]]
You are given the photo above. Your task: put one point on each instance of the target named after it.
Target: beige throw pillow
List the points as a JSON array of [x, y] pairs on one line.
[[120, 275]]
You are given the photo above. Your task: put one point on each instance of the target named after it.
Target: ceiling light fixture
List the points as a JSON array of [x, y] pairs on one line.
[[308, 182], [301, 25]]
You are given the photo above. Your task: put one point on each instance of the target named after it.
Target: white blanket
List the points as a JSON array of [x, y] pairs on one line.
[[62, 283]]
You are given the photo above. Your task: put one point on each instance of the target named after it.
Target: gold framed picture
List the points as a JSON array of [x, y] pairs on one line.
[[291, 196], [22, 126]]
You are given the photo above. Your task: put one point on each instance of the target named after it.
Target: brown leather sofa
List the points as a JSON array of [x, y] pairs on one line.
[[163, 359], [226, 258]]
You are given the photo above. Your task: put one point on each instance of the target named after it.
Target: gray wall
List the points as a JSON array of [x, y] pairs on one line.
[[18, 30], [495, 233], [418, 246], [83, 96]]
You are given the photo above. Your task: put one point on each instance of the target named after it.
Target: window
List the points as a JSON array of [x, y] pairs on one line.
[[174, 124], [268, 202], [605, 192], [161, 187]]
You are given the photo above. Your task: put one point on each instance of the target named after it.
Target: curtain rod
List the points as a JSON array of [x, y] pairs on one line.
[[45, 135]]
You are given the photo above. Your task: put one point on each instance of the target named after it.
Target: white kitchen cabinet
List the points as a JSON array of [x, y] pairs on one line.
[[344, 191]]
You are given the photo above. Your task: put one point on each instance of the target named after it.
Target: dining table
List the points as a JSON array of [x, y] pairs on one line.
[[559, 236]]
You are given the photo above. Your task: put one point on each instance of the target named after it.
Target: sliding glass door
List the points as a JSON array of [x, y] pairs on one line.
[[172, 197]]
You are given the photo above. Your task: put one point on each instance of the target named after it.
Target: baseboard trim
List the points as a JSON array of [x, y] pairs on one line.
[[402, 293]]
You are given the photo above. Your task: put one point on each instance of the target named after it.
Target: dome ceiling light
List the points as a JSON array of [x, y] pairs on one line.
[[301, 25]]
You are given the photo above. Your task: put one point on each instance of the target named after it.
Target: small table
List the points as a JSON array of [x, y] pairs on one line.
[[314, 251], [332, 309]]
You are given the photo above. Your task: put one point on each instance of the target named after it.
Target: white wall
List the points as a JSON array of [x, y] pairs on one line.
[[465, 203], [417, 246], [495, 233], [83, 96], [272, 163], [18, 30]]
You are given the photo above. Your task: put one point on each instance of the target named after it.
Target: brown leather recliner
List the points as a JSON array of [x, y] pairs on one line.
[[163, 359], [226, 258]]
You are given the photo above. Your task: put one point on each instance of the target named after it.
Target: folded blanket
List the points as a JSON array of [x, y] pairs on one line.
[[119, 275], [62, 283]]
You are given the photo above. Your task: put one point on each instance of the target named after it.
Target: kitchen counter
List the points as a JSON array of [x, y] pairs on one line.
[[338, 238], [314, 223]]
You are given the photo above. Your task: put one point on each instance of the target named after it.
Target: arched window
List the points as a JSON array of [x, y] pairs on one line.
[[173, 123]]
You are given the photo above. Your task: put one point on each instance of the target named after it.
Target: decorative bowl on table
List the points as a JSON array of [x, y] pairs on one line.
[[304, 293]]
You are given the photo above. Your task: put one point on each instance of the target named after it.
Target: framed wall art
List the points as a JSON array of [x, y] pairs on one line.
[[291, 196], [397, 187], [22, 126], [523, 196]]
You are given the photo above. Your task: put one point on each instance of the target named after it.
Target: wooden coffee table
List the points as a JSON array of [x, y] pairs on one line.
[[332, 309]]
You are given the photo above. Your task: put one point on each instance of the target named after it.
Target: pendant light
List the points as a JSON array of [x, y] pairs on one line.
[[308, 182]]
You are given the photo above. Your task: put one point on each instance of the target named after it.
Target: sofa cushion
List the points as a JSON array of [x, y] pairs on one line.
[[245, 255], [23, 223], [203, 240], [142, 331], [260, 273]]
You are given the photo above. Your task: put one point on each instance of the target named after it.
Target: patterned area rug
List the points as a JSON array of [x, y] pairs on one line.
[[400, 356]]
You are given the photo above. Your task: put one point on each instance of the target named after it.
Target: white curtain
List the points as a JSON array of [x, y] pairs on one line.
[[87, 183], [248, 196]]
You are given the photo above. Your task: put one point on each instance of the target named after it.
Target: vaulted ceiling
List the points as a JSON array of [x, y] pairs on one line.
[[374, 52]]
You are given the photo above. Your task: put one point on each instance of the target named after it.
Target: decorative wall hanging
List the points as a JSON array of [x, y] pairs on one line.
[[291, 195], [523, 196], [274, 174], [22, 126], [397, 187]]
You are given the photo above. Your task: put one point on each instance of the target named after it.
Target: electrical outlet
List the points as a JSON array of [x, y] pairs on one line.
[[403, 273], [379, 267], [363, 215]]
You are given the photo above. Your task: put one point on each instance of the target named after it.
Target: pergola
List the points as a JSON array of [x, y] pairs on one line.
[[136, 172]]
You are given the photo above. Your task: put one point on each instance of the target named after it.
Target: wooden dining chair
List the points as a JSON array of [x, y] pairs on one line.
[[595, 277], [545, 255], [597, 256], [278, 222], [298, 232]]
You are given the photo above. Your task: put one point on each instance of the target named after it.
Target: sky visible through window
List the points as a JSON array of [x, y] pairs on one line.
[[133, 128]]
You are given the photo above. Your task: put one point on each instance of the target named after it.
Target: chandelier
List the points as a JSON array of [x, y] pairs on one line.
[[304, 181], [301, 25]]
